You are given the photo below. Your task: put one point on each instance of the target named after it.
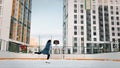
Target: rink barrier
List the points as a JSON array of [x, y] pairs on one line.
[[22, 58], [95, 59]]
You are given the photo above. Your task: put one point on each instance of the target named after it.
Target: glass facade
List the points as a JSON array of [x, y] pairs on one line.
[[0, 1], [0, 10], [20, 24]]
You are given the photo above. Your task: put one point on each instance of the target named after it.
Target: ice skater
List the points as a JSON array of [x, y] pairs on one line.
[[46, 50]]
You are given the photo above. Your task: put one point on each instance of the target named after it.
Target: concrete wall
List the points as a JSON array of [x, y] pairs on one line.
[[95, 56], [4, 54]]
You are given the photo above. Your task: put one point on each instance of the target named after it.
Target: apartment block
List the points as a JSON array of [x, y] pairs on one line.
[[91, 26], [15, 24]]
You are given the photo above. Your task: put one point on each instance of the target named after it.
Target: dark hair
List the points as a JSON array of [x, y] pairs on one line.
[[49, 41]]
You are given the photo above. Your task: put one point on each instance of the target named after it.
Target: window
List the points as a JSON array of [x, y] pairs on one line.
[[94, 22], [75, 38], [82, 39], [119, 41], [94, 17], [0, 10], [82, 11], [81, 22], [95, 39], [75, 0], [75, 27], [75, 33], [94, 27], [75, 11], [75, 5], [75, 16], [117, 1], [113, 34], [112, 18], [112, 12], [114, 46], [112, 23], [106, 8], [93, 11], [82, 33], [82, 28], [94, 33], [0, 1], [81, 6], [118, 28], [117, 12], [94, 6], [113, 39], [116, 7], [117, 18], [118, 23], [111, 1], [118, 34], [75, 48], [82, 16], [111, 7], [75, 44], [75, 22], [113, 29]]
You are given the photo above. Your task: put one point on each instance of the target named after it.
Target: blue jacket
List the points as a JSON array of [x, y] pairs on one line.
[[46, 49]]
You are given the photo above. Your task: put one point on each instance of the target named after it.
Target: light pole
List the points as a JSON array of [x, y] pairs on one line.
[[39, 43], [63, 51]]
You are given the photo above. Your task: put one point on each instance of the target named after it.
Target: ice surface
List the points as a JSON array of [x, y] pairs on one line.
[[58, 64]]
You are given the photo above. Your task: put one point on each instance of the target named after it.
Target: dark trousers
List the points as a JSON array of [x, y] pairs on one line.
[[48, 55]]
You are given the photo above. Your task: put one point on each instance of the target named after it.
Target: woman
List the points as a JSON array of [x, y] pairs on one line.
[[46, 49]]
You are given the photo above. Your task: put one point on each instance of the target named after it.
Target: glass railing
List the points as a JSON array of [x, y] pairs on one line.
[[99, 48], [93, 48]]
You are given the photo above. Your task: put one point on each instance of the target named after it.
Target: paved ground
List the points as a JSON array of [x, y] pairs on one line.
[[58, 64]]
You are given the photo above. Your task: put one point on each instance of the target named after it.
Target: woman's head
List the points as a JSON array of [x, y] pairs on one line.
[[49, 41]]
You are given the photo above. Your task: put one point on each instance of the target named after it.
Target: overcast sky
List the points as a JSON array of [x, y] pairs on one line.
[[47, 19]]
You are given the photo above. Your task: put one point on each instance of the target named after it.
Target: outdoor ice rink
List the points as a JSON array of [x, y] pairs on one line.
[[58, 64]]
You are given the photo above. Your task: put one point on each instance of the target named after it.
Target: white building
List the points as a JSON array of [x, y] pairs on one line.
[[15, 21], [91, 26]]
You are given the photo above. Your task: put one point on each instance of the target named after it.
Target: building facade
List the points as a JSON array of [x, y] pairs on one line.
[[91, 26], [15, 24]]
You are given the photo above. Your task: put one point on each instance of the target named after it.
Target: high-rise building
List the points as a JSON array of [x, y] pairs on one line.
[[15, 24], [91, 26]]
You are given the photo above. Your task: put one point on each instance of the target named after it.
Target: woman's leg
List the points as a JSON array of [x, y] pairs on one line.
[[48, 56], [37, 52]]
